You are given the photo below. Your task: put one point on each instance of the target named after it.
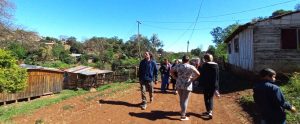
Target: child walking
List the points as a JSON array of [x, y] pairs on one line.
[[269, 99]]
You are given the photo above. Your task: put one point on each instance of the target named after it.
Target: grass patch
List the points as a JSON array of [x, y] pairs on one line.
[[246, 100], [291, 92], [9, 111], [114, 88], [39, 121], [67, 107]]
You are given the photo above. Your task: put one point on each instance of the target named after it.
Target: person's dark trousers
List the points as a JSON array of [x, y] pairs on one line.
[[208, 98], [273, 122], [146, 85], [174, 85]]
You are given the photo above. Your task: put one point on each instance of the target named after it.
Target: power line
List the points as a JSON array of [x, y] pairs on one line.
[[166, 28], [247, 10], [194, 25], [221, 15], [194, 22], [180, 37]]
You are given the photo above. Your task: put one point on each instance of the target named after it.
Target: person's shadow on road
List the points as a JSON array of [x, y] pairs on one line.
[[155, 115], [203, 117], [118, 103]]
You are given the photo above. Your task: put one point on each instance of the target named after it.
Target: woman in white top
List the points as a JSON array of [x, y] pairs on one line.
[[186, 74]]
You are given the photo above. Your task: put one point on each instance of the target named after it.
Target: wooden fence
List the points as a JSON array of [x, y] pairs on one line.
[[125, 73], [40, 82], [74, 80]]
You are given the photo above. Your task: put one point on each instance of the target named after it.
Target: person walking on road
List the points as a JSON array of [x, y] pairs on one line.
[[269, 99], [210, 79], [186, 74], [147, 74], [173, 80], [165, 75]]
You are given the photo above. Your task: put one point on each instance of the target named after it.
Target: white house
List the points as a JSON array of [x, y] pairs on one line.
[[272, 43]]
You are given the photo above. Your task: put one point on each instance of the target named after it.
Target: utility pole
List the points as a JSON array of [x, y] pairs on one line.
[[187, 50], [138, 39]]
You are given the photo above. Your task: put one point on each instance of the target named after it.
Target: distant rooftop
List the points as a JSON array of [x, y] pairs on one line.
[[33, 67], [86, 70]]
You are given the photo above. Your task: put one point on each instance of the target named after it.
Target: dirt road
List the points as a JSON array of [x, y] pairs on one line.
[[123, 108]]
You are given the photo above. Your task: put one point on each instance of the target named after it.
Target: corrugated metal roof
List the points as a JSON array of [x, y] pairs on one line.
[[35, 67], [85, 70]]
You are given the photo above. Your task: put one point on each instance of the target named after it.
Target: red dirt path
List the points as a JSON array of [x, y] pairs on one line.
[[123, 108]]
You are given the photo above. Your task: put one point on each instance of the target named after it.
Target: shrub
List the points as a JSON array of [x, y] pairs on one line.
[[56, 64], [292, 94], [12, 77], [17, 50], [130, 62]]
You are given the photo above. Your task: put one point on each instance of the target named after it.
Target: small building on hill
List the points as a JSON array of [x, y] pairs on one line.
[[86, 77], [272, 43], [41, 81]]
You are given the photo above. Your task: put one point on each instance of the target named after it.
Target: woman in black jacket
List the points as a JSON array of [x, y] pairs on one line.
[[210, 78]]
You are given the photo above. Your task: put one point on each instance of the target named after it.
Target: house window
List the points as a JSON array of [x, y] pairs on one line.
[[298, 37], [290, 38], [229, 48], [236, 45]]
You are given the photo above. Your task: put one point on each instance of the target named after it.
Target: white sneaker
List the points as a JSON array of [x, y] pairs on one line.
[[143, 107], [184, 118], [210, 115]]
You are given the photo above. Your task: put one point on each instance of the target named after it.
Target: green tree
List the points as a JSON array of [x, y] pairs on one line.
[[219, 36], [17, 50], [280, 12], [66, 58], [211, 49], [12, 77], [45, 53], [258, 19], [197, 52], [221, 51], [76, 47], [84, 59], [57, 49]]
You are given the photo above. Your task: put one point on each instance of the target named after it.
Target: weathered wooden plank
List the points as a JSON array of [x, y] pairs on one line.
[[39, 83]]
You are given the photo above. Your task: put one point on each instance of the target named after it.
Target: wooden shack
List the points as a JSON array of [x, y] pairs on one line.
[[270, 43], [86, 77], [41, 81]]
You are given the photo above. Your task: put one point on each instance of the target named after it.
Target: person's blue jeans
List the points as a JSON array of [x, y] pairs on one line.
[[164, 82]]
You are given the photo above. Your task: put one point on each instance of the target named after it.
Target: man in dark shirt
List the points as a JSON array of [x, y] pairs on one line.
[[269, 99], [147, 74]]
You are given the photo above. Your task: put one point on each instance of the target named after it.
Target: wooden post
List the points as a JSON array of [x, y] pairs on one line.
[[136, 71], [28, 99]]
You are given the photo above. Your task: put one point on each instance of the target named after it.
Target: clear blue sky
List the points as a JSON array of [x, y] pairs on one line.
[[169, 19]]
